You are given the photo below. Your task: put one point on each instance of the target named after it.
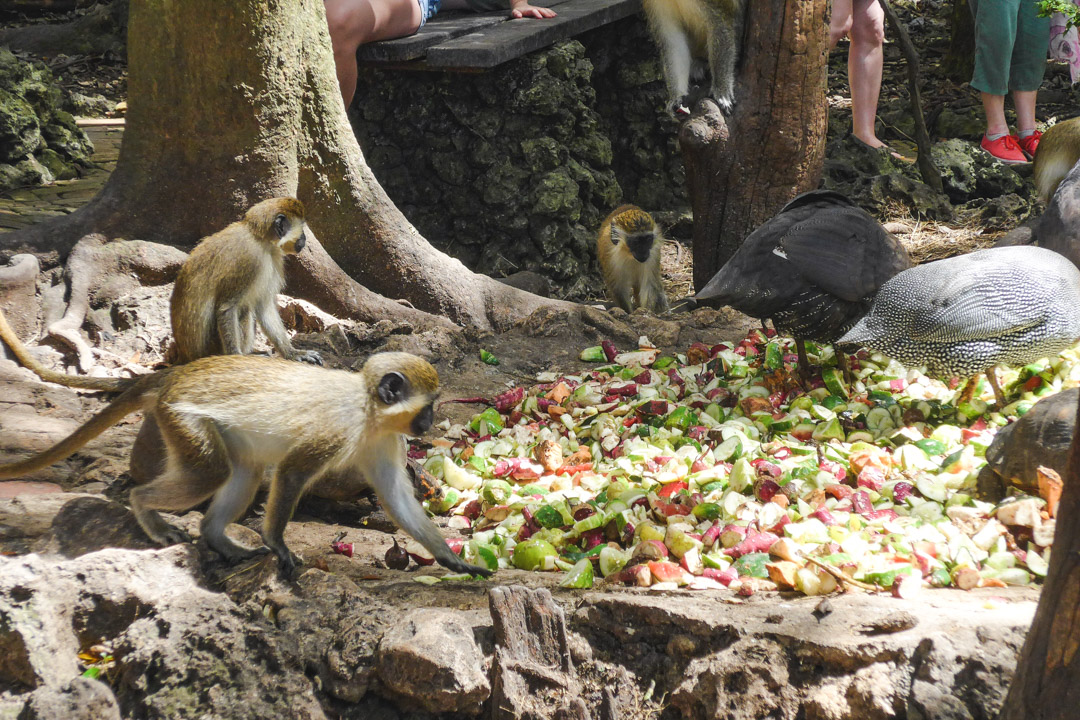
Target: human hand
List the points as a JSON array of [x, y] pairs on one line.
[[522, 8]]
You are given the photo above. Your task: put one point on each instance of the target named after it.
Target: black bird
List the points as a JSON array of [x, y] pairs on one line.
[[813, 269]]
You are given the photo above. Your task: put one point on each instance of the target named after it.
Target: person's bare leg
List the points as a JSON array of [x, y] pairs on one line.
[[865, 60], [355, 22], [994, 107], [1024, 104]]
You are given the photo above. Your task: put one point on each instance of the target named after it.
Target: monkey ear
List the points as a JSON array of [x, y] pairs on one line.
[[281, 225], [393, 388]]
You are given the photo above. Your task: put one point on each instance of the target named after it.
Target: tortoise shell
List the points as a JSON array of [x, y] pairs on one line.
[[1041, 437]]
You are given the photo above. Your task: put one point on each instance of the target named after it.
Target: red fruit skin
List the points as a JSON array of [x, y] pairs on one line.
[[872, 478], [665, 571], [760, 542], [724, 577], [860, 503]]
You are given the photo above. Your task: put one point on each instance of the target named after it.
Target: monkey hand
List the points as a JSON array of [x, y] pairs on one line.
[[450, 561], [308, 356]]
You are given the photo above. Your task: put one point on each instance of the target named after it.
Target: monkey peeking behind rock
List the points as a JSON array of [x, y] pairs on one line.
[[629, 246], [1058, 151], [687, 30], [225, 419]]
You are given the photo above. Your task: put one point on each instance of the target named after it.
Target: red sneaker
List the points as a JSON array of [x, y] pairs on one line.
[[1030, 143], [1005, 149]]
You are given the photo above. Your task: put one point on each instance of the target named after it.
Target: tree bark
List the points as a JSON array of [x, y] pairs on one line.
[[959, 61], [1047, 681], [233, 102], [742, 169]]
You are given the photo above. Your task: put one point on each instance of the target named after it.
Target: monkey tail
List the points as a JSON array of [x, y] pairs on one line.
[[126, 403], [7, 334]]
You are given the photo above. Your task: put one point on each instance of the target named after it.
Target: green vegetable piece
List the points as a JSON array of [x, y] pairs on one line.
[[940, 577], [92, 672], [972, 410], [739, 370], [831, 430], [534, 554], [478, 463], [834, 381], [832, 401], [714, 485], [449, 499], [931, 446], [948, 463], [715, 412], [488, 358], [548, 517], [774, 357], [592, 354], [663, 362], [579, 576], [612, 560], [752, 565], [533, 490], [707, 511], [594, 521], [881, 398], [487, 555], [496, 492], [682, 418]]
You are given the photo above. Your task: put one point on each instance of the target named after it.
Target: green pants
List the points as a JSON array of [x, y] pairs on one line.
[[1010, 46]]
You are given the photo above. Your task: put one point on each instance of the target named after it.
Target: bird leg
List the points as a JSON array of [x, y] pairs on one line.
[[991, 375], [804, 364], [842, 363]]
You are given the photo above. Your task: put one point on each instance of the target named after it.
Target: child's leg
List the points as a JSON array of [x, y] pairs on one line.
[[355, 22]]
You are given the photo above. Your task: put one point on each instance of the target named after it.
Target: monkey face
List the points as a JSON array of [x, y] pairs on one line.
[[290, 232], [423, 420], [410, 412], [640, 245]]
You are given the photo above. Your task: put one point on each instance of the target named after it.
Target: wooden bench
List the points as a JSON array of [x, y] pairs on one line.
[[463, 41]]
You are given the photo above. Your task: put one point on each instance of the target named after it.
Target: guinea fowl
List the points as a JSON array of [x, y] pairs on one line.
[[812, 269], [967, 314]]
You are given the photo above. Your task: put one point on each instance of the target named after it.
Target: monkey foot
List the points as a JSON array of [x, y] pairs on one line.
[[309, 356], [234, 553], [289, 562], [169, 535]]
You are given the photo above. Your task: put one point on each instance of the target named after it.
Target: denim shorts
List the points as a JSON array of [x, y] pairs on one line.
[[427, 9]]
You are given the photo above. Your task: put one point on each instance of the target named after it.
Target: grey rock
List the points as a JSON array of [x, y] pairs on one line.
[[80, 699], [431, 659]]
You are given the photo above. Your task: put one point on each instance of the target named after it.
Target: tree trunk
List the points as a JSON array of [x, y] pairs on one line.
[[233, 102], [740, 171], [1047, 681], [959, 61]]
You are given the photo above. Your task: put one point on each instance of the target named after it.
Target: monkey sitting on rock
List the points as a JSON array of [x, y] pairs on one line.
[[225, 419], [628, 247]]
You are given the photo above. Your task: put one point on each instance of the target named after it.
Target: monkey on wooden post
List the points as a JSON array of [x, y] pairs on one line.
[[629, 246], [225, 419], [709, 30]]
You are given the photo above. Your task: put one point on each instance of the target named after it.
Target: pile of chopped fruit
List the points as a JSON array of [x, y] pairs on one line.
[[717, 468]]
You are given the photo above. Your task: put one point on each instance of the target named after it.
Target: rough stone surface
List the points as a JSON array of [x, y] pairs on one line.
[[431, 659], [180, 649], [968, 172], [39, 142], [778, 660], [514, 169], [80, 699]]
